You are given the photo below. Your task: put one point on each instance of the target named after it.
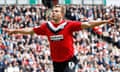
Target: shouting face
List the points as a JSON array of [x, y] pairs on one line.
[[56, 14]]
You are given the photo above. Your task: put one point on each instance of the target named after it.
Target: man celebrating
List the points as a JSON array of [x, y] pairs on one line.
[[59, 32]]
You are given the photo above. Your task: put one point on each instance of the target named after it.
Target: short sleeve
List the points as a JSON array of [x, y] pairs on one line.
[[40, 30], [75, 26]]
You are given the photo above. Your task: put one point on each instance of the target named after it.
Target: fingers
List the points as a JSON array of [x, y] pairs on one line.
[[112, 20], [112, 23], [5, 29], [10, 32]]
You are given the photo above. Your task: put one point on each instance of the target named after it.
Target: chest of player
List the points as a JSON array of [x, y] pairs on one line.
[[57, 33]]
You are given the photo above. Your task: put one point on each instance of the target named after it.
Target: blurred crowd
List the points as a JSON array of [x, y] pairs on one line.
[[97, 49]]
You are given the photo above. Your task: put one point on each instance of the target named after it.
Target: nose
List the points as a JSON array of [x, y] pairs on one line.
[[53, 13]]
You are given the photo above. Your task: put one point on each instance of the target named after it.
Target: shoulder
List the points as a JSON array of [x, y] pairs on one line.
[[43, 23], [73, 22]]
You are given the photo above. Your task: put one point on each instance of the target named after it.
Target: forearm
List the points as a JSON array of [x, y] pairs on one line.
[[92, 24], [24, 31], [97, 23]]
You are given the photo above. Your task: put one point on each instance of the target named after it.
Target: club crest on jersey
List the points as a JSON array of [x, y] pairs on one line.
[[56, 37]]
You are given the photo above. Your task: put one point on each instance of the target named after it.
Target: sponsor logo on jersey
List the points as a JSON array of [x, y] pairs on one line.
[[56, 37]]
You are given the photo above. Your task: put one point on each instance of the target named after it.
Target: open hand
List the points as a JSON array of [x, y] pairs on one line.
[[111, 21], [9, 31]]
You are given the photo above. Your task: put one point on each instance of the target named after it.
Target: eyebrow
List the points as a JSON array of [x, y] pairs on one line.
[[55, 10]]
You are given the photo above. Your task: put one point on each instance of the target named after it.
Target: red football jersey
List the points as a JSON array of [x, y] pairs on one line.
[[60, 38]]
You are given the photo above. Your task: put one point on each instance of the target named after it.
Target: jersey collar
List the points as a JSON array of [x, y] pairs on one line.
[[58, 28]]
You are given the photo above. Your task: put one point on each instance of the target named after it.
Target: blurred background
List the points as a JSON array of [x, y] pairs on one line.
[[97, 49]]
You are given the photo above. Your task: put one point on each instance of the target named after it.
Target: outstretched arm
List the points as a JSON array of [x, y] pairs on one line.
[[95, 23], [21, 31]]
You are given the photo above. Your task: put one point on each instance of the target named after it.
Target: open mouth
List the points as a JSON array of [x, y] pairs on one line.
[[53, 16]]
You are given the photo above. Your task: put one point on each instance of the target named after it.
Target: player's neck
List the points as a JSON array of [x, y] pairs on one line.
[[58, 21]]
